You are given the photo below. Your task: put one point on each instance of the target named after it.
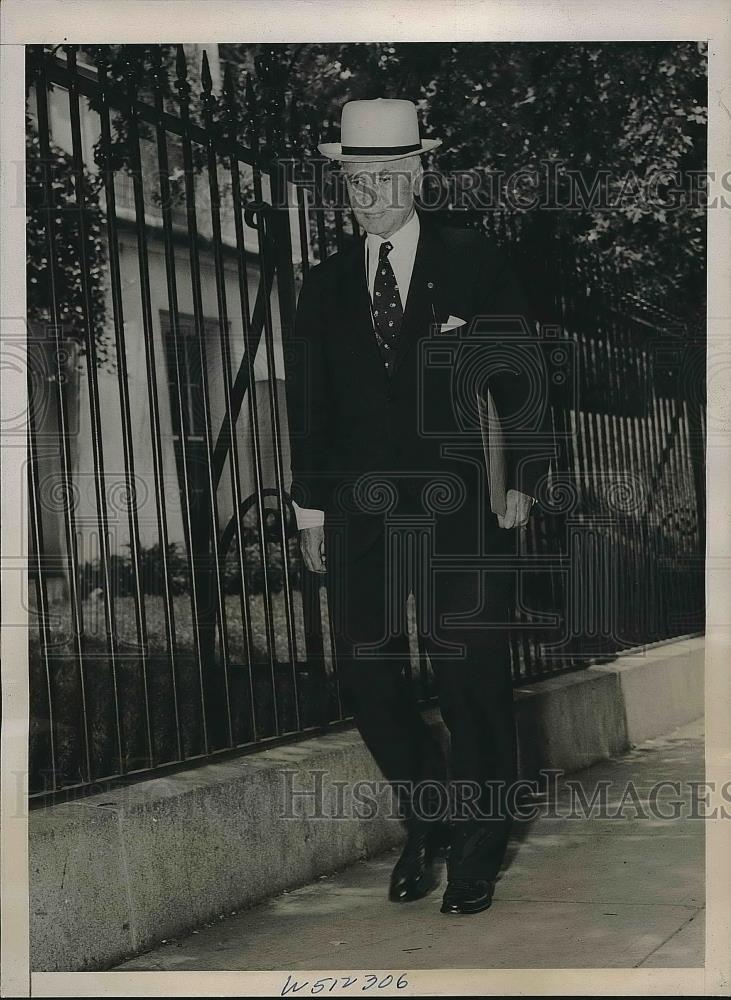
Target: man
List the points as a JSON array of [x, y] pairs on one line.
[[395, 358]]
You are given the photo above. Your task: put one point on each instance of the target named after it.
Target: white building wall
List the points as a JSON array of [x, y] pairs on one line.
[[78, 387], [140, 404]]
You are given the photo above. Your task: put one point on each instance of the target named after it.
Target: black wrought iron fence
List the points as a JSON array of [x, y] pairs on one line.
[[171, 619]]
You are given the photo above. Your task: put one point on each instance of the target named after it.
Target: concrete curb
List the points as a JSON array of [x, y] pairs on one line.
[[116, 873]]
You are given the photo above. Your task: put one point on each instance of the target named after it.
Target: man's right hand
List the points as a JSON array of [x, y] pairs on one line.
[[312, 547]]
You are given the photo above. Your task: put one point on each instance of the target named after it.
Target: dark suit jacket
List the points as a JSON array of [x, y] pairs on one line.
[[348, 418]]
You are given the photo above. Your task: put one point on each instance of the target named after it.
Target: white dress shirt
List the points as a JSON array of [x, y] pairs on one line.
[[401, 258]]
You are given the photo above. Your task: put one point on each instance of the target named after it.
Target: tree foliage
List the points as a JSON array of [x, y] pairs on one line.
[[130, 69], [559, 116], [50, 191], [636, 111]]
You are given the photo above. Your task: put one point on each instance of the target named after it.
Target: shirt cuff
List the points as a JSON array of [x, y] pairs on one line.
[[308, 517]]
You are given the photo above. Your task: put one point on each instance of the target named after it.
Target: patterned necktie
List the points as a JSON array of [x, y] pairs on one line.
[[387, 309]]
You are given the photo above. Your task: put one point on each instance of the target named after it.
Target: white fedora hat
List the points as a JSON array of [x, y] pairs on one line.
[[381, 129]]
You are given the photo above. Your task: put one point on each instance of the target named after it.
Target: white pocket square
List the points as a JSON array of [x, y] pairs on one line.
[[452, 322]]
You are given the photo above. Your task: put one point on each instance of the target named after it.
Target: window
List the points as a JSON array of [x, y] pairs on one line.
[[190, 440], [190, 375]]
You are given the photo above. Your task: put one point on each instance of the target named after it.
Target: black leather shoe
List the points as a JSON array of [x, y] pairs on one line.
[[467, 895], [413, 875]]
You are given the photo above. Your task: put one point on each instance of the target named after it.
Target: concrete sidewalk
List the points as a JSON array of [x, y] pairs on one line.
[[575, 893]]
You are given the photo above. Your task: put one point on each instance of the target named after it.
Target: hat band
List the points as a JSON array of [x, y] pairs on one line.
[[385, 150]]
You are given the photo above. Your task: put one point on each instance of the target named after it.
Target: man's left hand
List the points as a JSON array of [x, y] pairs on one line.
[[517, 510]]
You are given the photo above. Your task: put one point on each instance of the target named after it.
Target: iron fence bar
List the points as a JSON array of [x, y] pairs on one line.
[[107, 174], [642, 439], [298, 162], [280, 243], [117, 97], [39, 799], [685, 544], [615, 351], [318, 164], [628, 524], [128, 449], [532, 540], [674, 421], [662, 479], [542, 586], [585, 514], [100, 482], [698, 545], [279, 218], [151, 373], [656, 501], [692, 499], [604, 453], [637, 460], [661, 445], [182, 415], [565, 419], [251, 341], [311, 599], [302, 219], [688, 461], [651, 443], [667, 581], [244, 377], [72, 561], [318, 207], [183, 88], [583, 455], [223, 325], [334, 660], [255, 218], [37, 550], [595, 465], [255, 323], [615, 533], [697, 438], [670, 429]]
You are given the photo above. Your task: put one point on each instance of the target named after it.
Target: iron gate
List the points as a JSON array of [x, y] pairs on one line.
[[168, 236]]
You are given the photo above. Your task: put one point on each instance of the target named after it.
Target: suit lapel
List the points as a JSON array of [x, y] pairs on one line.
[[355, 307], [421, 309]]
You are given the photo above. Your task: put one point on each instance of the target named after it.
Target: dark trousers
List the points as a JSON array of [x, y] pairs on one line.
[[368, 587]]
